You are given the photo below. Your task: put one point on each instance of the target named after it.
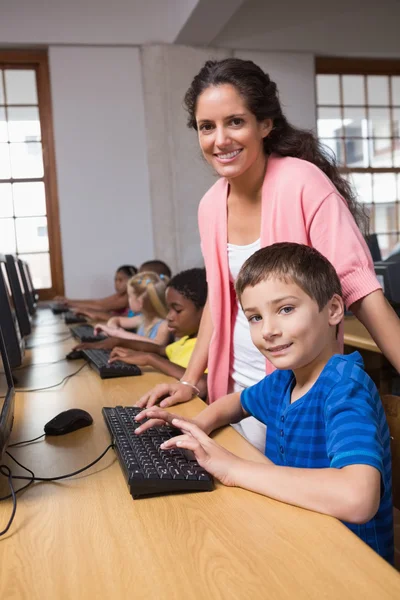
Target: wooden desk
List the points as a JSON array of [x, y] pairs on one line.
[[376, 364], [86, 537]]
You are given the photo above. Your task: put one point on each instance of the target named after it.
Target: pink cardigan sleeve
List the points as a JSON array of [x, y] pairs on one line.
[[334, 233]]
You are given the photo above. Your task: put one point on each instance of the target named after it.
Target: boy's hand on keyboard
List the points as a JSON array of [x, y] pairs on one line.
[[156, 417], [167, 394], [219, 462], [132, 357]]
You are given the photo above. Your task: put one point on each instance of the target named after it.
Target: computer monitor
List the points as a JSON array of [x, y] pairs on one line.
[[394, 255], [29, 294], [388, 274], [6, 398], [8, 321], [18, 294], [373, 245]]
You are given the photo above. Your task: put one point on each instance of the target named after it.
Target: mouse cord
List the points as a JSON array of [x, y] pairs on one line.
[[6, 472], [26, 441], [49, 387]]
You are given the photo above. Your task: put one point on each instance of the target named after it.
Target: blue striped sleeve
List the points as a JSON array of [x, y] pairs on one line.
[[254, 400], [353, 426]]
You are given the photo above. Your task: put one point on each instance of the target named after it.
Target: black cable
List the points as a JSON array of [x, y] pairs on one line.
[[26, 441], [60, 476], [54, 362], [31, 480], [49, 343], [49, 387], [13, 495]]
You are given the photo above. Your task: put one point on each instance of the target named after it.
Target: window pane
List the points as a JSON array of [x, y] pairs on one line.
[[29, 199], [357, 152], [333, 147], [6, 205], [396, 159], [355, 122], [3, 125], [396, 90], [24, 124], [26, 160], [379, 122], [329, 122], [40, 268], [32, 234], [387, 243], [21, 86], [5, 171], [1, 88], [362, 182], [396, 122], [378, 89], [7, 236], [385, 218], [384, 188], [353, 89], [328, 89], [381, 153]]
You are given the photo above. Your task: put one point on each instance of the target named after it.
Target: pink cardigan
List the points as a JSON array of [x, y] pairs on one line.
[[299, 204]]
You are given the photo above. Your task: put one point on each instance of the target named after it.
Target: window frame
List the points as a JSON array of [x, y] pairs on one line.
[[363, 66], [38, 60]]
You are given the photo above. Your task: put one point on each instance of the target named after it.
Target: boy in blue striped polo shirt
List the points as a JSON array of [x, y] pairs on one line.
[[328, 443]]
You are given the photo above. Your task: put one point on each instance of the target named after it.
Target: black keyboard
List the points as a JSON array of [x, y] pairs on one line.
[[72, 318], [57, 308], [85, 333], [98, 359], [147, 469]]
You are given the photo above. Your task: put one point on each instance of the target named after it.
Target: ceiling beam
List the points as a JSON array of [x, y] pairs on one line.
[[206, 21]]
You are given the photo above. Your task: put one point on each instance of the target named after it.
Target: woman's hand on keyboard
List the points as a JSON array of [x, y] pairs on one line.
[[219, 462], [156, 417], [167, 394]]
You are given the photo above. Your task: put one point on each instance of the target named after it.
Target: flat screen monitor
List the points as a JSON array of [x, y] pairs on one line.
[[30, 297], [388, 274], [6, 398], [394, 254], [8, 321], [373, 245], [18, 294]]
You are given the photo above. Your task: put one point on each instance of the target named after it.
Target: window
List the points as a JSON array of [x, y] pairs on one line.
[[358, 106], [29, 223]]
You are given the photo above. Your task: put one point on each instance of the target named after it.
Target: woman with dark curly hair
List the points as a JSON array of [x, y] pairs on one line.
[[276, 184]]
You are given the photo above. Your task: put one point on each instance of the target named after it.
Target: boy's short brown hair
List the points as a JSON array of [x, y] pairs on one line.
[[288, 261]]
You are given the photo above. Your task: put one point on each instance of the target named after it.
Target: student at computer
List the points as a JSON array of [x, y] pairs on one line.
[[185, 296], [104, 307], [146, 294], [328, 443]]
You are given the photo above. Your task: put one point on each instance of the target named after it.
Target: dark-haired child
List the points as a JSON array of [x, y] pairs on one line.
[[328, 443]]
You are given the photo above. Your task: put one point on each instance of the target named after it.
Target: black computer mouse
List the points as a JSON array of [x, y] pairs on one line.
[[74, 354], [67, 421]]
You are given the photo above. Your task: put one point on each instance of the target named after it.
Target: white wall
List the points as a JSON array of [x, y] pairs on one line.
[[339, 28], [102, 172], [92, 21]]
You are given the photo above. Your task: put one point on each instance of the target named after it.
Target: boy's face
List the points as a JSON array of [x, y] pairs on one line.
[[287, 326], [183, 317]]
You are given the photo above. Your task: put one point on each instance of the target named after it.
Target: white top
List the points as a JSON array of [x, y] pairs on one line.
[[248, 365]]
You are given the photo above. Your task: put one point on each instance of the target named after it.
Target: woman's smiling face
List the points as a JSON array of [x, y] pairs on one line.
[[230, 136]]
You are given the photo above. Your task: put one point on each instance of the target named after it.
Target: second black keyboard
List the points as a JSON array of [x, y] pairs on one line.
[[72, 318], [99, 360], [85, 333], [147, 469]]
